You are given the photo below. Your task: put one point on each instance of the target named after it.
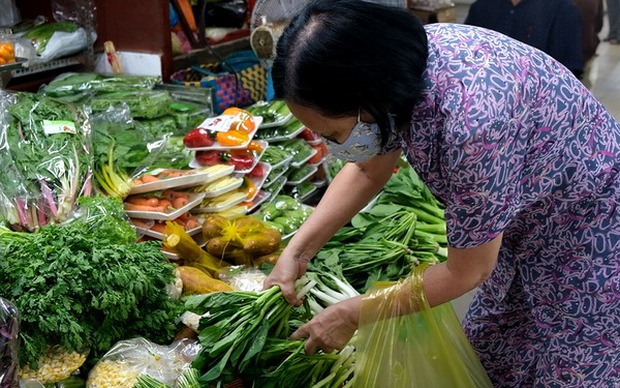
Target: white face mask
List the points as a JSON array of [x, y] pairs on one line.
[[363, 143]]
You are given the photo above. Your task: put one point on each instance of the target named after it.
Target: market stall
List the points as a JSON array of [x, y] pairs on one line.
[[140, 219]]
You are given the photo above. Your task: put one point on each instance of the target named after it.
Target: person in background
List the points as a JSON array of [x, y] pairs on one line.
[[553, 26], [613, 13], [525, 159], [592, 12]]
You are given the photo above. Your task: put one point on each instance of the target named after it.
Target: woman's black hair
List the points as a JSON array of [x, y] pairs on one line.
[[339, 56]]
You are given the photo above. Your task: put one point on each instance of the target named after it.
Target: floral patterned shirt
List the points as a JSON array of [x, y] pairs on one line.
[[513, 143]]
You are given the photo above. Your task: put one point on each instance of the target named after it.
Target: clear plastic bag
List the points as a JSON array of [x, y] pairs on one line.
[[9, 340], [55, 365], [127, 360], [424, 349], [9, 14], [46, 160]]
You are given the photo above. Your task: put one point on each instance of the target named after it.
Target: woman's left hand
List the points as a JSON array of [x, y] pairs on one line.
[[332, 328]]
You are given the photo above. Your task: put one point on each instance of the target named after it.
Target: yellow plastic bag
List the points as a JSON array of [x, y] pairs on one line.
[[425, 349]]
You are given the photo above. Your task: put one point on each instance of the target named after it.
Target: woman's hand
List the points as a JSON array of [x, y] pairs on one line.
[[332, 328], [286, 271]]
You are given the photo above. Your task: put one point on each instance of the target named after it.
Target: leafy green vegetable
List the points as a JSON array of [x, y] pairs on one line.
[[86, 284], [47, 168], [146, 104], [76, 84], [404, 229], [41, 34]]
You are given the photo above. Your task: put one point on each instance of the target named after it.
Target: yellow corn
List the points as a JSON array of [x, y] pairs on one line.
[[112, 374], [54, 366]]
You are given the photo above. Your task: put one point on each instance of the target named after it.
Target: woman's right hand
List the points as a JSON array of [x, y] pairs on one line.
[[286, 271]]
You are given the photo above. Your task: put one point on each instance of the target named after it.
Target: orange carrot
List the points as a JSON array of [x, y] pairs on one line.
[[191, 224], [138, 201], [158, 227], [143, 208], [179, 202], [138, 181], [150, 178], [170, 194], [165, 202], [140, 223]]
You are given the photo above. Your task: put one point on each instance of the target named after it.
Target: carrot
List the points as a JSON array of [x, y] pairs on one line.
[[153, 201], [138, 182], [165, 202], [142, 201], [144, 208], [140, 223], [179, 202], [158, 227], [170, 194], [191, 224], [149, 178], [184, 217]]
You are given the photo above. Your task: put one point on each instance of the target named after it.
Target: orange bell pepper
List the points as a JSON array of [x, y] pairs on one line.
[[232, 138]]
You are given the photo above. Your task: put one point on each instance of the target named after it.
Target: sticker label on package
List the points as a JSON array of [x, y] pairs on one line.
[[219, 123], [58, 126]]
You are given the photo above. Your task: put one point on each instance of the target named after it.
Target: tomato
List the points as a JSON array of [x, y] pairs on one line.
[[208, 158]]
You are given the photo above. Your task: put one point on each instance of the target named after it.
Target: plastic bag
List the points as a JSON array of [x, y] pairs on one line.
[[56, 40], [244, 278], [45, 157], [55, 365], [81, 12], [127, 360], [425, 349], [9, 340], [9, 14]]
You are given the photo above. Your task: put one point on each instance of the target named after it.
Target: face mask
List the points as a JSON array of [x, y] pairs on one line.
[[363, 143]]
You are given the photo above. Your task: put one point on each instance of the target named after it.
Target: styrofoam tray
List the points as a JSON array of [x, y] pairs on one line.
[[306, 196], [288, 136], [217, 147], [282, 162], [305, 178], [316, 164], [194, 163], [212, 194], [222, 207], [277, 188], [160, 236], [315, 142], [261, 197], [194, 200], [277, 123], [275, 178], [302, 162], [189, 180], [258, 182]]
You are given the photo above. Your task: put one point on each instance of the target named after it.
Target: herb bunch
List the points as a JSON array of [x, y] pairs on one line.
[[86, 284]]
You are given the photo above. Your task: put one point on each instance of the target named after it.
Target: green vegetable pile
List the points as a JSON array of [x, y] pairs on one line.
[[41, 34], [86, 284], [271, 112], [75, 85], [284, 214], [405, 228], [45, 171], [245, 336]]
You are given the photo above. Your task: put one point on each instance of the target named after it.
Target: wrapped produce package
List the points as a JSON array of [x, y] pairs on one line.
[[9, 339], [46, 157]]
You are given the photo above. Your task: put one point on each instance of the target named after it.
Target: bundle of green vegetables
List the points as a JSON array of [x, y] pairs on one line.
[[86, 284], [245, 335], [76, 85], [404, 229], [145, 104], [46, 153]]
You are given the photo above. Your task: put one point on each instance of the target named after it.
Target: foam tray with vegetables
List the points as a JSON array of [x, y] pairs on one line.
[[163, 205], [274, 113], [168, 179], [282, 133], [243, 160], [220, 186], [285, 214], [221, 203], [223, 132], [190, 224]]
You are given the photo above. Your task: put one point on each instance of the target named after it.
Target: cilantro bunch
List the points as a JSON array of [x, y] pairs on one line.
[[86, 284]]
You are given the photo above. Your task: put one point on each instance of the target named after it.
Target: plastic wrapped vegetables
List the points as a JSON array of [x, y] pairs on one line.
[[9, 338], [45, 148]]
